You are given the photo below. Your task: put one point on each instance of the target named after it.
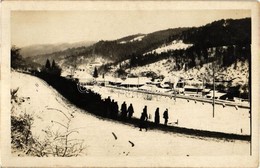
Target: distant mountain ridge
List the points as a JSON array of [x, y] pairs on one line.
[[218, 33], [111, 50], [229, 40], [190, 52], [43, 49]]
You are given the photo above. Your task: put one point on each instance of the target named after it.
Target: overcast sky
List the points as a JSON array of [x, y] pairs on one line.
[[47, 27]]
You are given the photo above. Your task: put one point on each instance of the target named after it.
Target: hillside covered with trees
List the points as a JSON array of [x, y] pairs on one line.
[[226, 44]]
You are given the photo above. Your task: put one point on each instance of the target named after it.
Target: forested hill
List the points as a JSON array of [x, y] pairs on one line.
[[187, 52], [219, 33], [225, 41], [115, 50], [123, 48]]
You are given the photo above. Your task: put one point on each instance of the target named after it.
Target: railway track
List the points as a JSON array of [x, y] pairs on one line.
[[198, 99]]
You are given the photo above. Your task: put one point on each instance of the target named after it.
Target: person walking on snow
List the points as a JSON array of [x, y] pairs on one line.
[[165, 116], [123, 111], [130, 111], [115, 109], [157, 116], [143, 119]]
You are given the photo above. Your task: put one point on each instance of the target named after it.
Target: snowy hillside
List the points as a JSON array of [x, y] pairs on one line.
[[105, 137], [174, 45], [138, 38], [195, 47], [165, 67], [84, 68]]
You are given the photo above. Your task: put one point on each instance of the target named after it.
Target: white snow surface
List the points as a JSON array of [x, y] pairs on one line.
[[174, 45], [240, 74], [85, 67], [160, 67], [138, 38], [190, 114], [97, 133]]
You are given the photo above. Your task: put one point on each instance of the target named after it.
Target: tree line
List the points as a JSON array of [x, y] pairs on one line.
[[53, 68], [196, 56]]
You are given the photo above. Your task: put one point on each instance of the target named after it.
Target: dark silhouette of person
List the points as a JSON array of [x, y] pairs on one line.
[[157, 116], [143, 119], [130, 111], [115, 114], [145, 111], [165, 116], [123, 111], [108, 106], [111, 109]]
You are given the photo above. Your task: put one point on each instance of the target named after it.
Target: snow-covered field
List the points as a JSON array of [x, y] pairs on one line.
[[97, 133], [189, 113]]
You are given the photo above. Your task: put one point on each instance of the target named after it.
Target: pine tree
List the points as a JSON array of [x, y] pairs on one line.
[[95, 74], [48, 64], [53, 65]]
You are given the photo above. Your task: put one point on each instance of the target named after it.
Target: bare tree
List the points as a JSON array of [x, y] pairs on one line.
[[59, 143]]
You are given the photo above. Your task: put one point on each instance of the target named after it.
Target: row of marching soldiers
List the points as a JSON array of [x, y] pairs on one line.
[[112, 110], [144, 118]]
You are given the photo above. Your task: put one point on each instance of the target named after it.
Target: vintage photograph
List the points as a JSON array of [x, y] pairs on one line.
[[112, 84], [130, 83]]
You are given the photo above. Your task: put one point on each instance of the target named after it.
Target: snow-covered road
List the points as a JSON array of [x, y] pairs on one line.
[[98, 133]]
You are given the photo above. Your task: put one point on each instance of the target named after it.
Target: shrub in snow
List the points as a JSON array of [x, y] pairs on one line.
[[56, 142], [21, 135]]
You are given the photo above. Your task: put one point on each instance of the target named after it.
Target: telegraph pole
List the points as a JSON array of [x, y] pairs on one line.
[[213, 99]]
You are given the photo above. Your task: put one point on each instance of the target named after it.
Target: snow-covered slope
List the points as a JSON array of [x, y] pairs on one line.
[[162, 67], [84, 68], [97, 133], [174, 45], [138, 38], [238, 75]]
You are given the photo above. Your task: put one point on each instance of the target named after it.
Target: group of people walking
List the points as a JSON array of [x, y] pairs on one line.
[[126, 113], [157, 116], [112, 110], [144, 118]]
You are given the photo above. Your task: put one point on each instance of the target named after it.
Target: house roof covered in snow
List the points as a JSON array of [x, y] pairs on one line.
[[86, 80], [217, 94], [190, 87], [171, 79], [81, 74], [136, 81], [113, 79], [193, 82], [149, 87]]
